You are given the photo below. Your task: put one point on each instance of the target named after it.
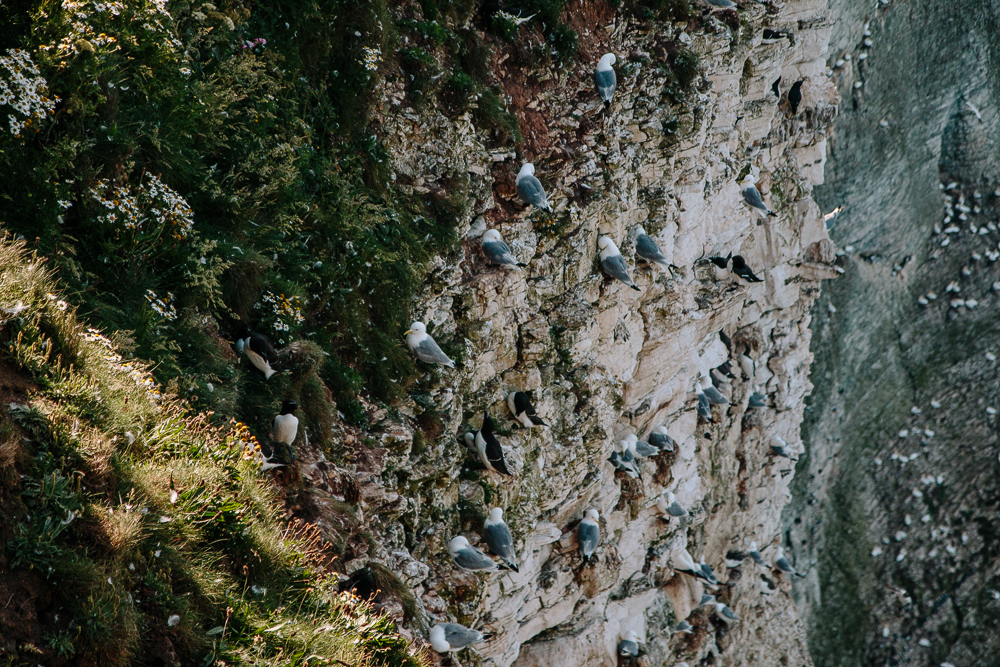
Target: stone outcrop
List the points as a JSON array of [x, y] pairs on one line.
[[602, 360]]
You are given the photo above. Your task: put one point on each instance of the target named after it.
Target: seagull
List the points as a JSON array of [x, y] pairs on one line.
[[751, 195], [659, 438], [613, 263], [259, 351], [710, 392], [629, 645], [424, 347], [726, 613], [516, 20], [497, 251], [684, 563], [755, 555], [498, 538], [530, 189], [780, 448], [757, 400], [646, 248], [447, 637], [782, 563], [667, 504], [704, 406], [488, 447], [640, 448], [795, 96], [519, 405], [604, 78], [286, 424], [588, 534], [468, 557], [741, 269], [706, 599], [268, 462], [617, 459], [831, 217], [684, 627], [722, 4], [707, 571], [748, 366], [721, 266]]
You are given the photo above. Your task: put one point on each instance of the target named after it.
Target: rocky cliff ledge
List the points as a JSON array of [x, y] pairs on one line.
[[601, 360]]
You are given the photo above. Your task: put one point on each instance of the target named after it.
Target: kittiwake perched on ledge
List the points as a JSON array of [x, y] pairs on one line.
[[498, 538], [259, 351], [629, 468], [780, 448], [704, 406], [781, 563], [646, 248], [488, 447], [706, 599], [520, 406], [711, 393], [604, 78], [588, 534], [726, 613], [447, 637], [628, 647], [469, 557], [530, 189], [683, 562], [684, 627], [640, 448], [757, 400], [659, 438], [424, 347], [751, 195], [722, 4], [667, 504], [497, 251], [755, 555], [613, 263]]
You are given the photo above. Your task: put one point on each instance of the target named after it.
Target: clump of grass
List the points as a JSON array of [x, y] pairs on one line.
[[662, 10]]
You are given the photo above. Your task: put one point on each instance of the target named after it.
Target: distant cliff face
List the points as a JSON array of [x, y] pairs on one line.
[[896, 502], [602, 360]]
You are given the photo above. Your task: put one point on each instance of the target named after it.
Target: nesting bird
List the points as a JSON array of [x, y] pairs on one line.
[[726, 613], [588, 534], [704, 405], [286, 424], [795, 96], [447, 637], [751, 195], [667, 504], [519, 404], [259, 351], [498, 538], [755, 555], [613, 263], [711, 393], [721, 266], [646, 248], [628, 647], [683, 562], [780, 448], [722, 4], [640, 448], [741, 269], [530, 189], [605, 79], [781, 563], [497, 251], [424, 347], [661, 440], [468, 557], [488, 447], [625, 461]]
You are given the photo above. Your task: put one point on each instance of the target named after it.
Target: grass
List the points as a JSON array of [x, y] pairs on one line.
[[143, 530]]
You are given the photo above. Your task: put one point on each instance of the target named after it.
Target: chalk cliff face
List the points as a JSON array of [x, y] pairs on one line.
[[602, 360]]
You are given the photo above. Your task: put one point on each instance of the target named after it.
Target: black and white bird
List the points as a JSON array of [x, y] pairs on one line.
[[734, 558], [617, 459], [774, 86], [721, 266], [781, 563], [628, 647], [748, 366], [795, 96], [613, 263], [259, 351], [447, 637], [497, 536], [497, 251], [604, 78], [286, 424], [640, 448], [660, 439], [646, 248], [361, 583], [519, 404], [667, 504], [588, 534], [711, 393], [704, 405], [488, 447], [780, 448], [755, 555], [706, 570], [530, 189], [741, 269], [751, 195], [767, 585], [726, 613], [683, 562], [772, 36], [684, 627], [706, 599], [424, 347], [468, 557]]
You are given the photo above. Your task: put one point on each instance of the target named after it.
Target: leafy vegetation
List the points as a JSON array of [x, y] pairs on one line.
[[134, 531]]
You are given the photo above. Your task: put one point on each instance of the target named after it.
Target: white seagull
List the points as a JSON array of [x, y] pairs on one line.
[[424, 347], [613, 263], [530, 189]]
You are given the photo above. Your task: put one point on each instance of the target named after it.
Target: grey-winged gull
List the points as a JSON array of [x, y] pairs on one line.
[[613, 263], [604, 78], [706, 599], [629, 468], [726, 613], [424, 347], [722, 4], [704, 406], [660, 439], [640, 448], [780, 448], [519, 404], [469, 557], [755, 555], [781, 563], [447, 637], [628, 647], [757, 400], [530, 189], [706, 570], [646, 248], [497, 536], [588, 534], [713, 395], [684, 627], [751, 195], [667, 504], [497, 251]]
